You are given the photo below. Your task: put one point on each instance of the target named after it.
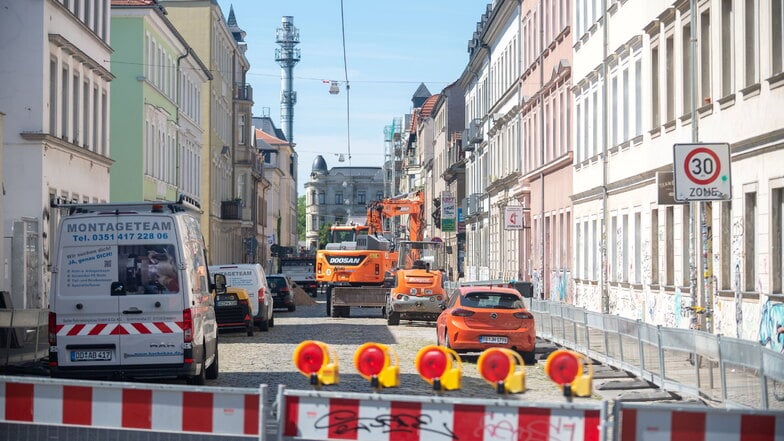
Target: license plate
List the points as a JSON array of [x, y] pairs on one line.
[[487, 339], [91, 355], [227, 303]]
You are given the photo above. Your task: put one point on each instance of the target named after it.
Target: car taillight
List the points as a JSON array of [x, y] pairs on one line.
[[187, 325], [52, 329], [525, 315], [284, 290], [462, 313]]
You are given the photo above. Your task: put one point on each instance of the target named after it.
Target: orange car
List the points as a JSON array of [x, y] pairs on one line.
[[479, 317]]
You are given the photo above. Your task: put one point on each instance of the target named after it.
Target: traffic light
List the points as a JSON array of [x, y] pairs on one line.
[[498, 366], [565, 368], [440, 367], [312, 358], [372, 361]]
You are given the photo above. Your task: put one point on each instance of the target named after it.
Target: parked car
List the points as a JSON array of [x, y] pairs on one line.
[[232, 306], [252, 278], [479, 317], [282, 290]]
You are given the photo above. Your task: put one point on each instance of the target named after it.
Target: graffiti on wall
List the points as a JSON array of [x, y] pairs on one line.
[[737, 252], [559, 283], [771, 327]]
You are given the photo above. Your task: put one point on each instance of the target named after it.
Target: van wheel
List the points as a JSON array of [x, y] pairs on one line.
[[200, 378], [212, 371], [271, 321], [250, 328], [393, 319]]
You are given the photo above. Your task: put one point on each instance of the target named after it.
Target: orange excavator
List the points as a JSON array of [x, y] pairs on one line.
[[354, 264]]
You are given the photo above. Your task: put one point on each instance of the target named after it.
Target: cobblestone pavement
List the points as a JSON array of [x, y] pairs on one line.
[[266, 358]]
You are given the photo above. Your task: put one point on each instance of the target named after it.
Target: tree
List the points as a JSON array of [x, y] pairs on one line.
[[301, 222], [323, 236]]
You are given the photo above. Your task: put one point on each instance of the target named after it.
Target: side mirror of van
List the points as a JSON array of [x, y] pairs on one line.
[[220, 284], [118, 289]]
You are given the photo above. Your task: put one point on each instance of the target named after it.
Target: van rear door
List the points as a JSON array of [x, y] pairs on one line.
[[87, 311], [151, 309]]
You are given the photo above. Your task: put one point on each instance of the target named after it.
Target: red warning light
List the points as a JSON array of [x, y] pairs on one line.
[[310, 358], [371, 360], [494, 366], [563, 367], [432, 363]]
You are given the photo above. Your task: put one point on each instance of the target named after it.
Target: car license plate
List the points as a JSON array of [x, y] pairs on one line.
[[91, 355], [488, 339], [227, 303]]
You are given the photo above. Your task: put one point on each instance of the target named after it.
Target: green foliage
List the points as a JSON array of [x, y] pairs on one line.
[[301, 221], [323, 236]]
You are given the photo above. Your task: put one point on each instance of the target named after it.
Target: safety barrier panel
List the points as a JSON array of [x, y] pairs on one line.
[[138, 406], [645, 422], [320, 415]]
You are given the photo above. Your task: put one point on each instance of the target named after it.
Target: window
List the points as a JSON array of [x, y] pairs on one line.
[[777, 240], [614, 244], [727, 55], [64, 103], [726, 245], [751, 41], [625, 110], [75, 136], [749, 235], [322, 198], [655, 246], [614, 115], [361, 197], [242, 130], [85, 113], [339, 198], [597, 258], [777, 36], [638, 97], [686, 69], [578, 144], [53, 96], [705, 57], [655, 98], [637, 247], [670, 78], [379, 195], [624, 259], [314, 222]]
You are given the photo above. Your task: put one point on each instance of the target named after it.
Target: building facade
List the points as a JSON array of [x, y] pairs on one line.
[[545, 112], [338, 195], [56, 67], [155, 104], [634, 248], [204, 26]]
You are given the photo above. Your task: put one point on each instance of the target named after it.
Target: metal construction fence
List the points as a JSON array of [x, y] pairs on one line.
[[722, 371], [23, 336]]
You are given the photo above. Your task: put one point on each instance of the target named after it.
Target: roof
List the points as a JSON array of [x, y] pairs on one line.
[[135, 3], [266, 124], [269, 139], [319, 165], [427, 107]]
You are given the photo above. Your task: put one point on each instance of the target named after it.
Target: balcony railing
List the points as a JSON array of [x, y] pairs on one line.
[[231, 210], [243, 92]]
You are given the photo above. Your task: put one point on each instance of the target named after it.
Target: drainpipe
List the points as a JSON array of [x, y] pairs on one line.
[[541, 147], [177, 119], [605, 165]]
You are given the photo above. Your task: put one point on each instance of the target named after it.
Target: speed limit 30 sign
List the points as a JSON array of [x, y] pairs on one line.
[[702, 172]]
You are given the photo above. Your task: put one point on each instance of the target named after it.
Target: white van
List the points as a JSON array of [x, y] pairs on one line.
[[252, 277], [130, 294]]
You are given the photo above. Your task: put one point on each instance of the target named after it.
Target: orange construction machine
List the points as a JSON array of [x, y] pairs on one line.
[[353, 265]]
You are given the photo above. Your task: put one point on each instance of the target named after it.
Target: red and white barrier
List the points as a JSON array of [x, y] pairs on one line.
[[670, 423], [120, 328], [344, 416], [158, 408]]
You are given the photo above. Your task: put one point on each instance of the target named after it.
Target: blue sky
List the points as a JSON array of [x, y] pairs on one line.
[[391, 47]]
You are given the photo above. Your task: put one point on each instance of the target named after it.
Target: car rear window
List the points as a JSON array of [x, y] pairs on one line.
[[275, 283], [492, 300]]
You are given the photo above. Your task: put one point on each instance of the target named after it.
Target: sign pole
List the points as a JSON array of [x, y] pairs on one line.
[[696, 298]]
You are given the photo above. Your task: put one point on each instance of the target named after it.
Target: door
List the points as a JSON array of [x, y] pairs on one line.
[[151, 309], [87, 311]]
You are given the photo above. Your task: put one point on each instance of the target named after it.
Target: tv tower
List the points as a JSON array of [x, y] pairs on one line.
[[287, 36]]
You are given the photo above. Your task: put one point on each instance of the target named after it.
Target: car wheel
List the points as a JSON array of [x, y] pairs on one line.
[[271, 321], [393, 319], [292, 308], [200, 378], [329, 301], [250, 328], [446, 340], [264, 325], [212, 371]]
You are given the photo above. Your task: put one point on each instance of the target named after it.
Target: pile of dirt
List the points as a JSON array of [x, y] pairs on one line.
[[301, 298]]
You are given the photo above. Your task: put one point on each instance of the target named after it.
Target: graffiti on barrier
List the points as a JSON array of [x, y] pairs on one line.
[[771, 328], [559, 281], [345, 422]]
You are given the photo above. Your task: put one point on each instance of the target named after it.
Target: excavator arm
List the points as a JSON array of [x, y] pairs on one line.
[[412, 206]]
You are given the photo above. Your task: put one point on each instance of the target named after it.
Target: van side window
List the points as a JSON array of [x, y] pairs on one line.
[[148, 269]]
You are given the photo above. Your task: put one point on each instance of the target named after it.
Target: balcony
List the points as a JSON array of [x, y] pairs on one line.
[[231, 210], [243, 91]]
